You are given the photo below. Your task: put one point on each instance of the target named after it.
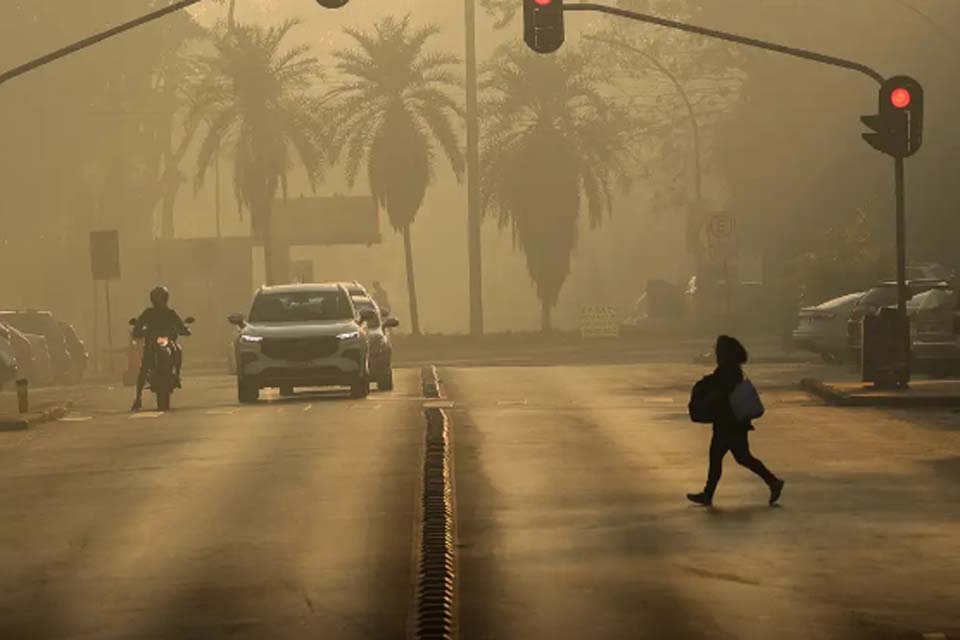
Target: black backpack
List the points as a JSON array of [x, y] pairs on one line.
[[703, 402]]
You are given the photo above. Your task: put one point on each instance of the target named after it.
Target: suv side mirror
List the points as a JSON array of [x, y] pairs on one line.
[[390, 323], [133, 322], [236, 319], [384, 312], [189, 320]]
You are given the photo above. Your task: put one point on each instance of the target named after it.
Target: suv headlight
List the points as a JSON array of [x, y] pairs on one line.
[[349, 335], [251, 339]]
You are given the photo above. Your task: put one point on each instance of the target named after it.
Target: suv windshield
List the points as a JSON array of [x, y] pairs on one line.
[[301, 306]]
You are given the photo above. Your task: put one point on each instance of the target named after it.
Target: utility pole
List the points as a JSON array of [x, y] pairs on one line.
[[474, 217]]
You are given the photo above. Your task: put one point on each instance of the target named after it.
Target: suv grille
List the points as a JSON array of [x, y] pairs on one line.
[[299, 349]]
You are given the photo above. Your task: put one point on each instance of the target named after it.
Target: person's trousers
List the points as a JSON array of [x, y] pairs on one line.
[[737, 444]]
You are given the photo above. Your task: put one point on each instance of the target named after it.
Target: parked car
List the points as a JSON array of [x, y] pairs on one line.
[[381, 350], [302, 335], [822, 329], [935, 331], [77, 350], [877, 297], [8, 363], [42, 323], [42, 372], [22, 350]]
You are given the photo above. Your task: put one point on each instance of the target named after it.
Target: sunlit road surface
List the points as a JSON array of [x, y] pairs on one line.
[[573, 522], [289, 519]]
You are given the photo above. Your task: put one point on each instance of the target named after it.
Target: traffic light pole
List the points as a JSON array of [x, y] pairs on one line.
[[903, 377], [729, 37], [813, 56]]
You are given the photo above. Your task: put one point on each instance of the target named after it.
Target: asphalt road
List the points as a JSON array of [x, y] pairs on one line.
[[289, 519], [572, 520], [296, 518]]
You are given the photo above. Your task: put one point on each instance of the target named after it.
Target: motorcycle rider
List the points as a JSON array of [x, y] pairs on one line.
[[157, 321]]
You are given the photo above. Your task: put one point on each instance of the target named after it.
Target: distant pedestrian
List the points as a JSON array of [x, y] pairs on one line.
[[380, 296], [720, 398]]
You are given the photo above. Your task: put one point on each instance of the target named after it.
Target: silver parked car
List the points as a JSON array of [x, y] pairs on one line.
[[822, 329], [302, 335], [935, 331]]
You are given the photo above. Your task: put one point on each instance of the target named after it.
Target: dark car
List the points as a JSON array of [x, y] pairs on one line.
[[42, 323], [381, 351], [77, 350], [876, 298], [935, 331], [20, 347]]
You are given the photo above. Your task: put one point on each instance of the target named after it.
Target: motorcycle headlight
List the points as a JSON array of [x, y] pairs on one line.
[[251, 339], [163, 341], [349, 335]]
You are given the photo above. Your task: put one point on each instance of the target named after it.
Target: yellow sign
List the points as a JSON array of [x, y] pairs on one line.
[[599, 322]]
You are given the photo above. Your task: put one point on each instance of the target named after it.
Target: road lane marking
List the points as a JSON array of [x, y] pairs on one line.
[[511, 403], [307, 408], [221, 412], [76, 418], [146, 414]]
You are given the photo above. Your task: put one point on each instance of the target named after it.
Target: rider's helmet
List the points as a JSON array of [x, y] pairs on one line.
[[159, 296]]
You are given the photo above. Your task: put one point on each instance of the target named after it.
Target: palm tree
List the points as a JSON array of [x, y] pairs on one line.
[[553, 143], [253, 97], [395, 107]]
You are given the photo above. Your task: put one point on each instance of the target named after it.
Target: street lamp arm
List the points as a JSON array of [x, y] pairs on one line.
[[694, 125], [729, 37], [94, 39]]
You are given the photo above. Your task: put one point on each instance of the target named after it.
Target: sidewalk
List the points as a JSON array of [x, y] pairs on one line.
[[852, 393]]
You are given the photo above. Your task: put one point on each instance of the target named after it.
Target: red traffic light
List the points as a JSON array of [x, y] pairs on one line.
[[900, 98], [543, 3]]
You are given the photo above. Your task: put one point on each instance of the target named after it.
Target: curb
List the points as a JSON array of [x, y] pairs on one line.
[[19, 423], [436, 567], [840, 399]]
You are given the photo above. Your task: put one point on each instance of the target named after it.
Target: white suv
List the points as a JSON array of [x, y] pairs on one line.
[[302, 335]]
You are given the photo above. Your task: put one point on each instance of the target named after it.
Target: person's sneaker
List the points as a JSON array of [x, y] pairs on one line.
[[775, 490], [700, 498], [137, 405]]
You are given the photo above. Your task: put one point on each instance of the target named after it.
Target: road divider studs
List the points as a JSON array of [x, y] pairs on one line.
[[436, 572]]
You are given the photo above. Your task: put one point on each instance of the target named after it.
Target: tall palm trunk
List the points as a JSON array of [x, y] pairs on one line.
[[546, 319], [411, 283]]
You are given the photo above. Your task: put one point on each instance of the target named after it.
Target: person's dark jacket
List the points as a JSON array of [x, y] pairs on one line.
[[710, 400], [157, 321]]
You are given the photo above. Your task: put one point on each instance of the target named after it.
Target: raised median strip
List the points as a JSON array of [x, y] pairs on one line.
[[436, 562], [922, 393], [19, 422]]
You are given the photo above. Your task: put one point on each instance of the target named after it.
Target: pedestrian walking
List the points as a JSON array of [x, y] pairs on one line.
[[381, 297], [728, 400]]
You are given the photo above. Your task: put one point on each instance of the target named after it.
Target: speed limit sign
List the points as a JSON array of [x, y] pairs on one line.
[[721, 227]]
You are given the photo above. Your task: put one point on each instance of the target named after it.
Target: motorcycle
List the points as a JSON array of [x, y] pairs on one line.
[[161, 375]]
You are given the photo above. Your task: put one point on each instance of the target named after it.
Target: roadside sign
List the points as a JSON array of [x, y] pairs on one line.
[[599, 322], [105, 254], [721, 227]]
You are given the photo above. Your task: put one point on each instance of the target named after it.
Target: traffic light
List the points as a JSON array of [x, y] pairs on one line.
[[898, 125], [543, 25], [332, 4]]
